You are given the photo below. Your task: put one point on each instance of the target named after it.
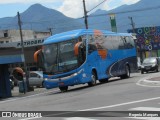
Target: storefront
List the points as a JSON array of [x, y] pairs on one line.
[[5, 84], [11, 56], [148, 41], [14, 50]]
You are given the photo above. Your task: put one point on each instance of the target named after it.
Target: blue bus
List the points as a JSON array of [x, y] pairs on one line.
[[86, 56]]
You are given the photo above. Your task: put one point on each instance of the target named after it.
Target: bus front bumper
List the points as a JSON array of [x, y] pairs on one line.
[[63, 81]]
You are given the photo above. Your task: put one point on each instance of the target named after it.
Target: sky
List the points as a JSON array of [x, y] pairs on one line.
[[70, 8]]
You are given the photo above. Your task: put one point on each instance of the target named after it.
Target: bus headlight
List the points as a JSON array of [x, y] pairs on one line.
[[75, 74]]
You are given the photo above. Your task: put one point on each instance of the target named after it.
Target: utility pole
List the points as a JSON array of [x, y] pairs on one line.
[[50, 30], [22, 45], [85, 12], [133, 24], [85, 15], [133, 29]]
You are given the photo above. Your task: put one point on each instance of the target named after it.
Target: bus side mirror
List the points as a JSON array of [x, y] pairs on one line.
[[76, 48], [36, 55], [18, 73], [38, 58]]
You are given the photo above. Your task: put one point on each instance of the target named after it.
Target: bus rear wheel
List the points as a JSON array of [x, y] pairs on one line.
[[127, 75], [103, 80], [93, 79], [63, 89]]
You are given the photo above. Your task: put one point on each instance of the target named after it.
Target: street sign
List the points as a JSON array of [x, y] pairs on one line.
[[113, 23]]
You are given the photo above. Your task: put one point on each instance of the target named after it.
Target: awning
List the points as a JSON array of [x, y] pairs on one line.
[[26, 43], [6, 59]]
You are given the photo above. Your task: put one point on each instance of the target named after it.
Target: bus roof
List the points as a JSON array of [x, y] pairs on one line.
[[76, 33]]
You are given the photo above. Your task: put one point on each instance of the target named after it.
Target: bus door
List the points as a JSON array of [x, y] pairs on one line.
[[97, 57], [103, 61], [94, 59]]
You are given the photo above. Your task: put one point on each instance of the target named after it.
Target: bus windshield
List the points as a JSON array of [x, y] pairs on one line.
[[59, 57]]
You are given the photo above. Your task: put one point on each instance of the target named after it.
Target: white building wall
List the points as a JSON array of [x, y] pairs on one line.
[[14, 35]]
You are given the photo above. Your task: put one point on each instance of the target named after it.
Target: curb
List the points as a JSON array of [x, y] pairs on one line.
[[15, 92], [149, 82]]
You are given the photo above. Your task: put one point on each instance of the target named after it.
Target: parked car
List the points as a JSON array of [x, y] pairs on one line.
[[11, 84], [35, 78], [150, 64], [138, 63]]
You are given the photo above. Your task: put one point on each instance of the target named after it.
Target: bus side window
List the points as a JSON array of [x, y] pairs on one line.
[[91, 48], [129, 43], [122, 43]]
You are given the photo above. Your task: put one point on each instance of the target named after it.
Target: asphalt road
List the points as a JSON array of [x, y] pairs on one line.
[[117, 99]]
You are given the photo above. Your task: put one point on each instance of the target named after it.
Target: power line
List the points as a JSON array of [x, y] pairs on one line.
[[59, 25], [96, 6], [50, 21], [86, 12], [123, 12]]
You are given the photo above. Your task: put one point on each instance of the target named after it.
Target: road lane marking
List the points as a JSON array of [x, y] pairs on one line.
[[145, 118], [30, 118], [144, 82], [148, 83], [146, 109], [79, 118], [121, 104], [110, 106]]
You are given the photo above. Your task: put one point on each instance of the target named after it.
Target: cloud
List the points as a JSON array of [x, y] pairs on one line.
[[128, 2], [27, 1], [74, 8], [111, 4]]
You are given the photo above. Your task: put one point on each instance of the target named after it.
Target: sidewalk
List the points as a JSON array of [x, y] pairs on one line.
[[15, 92], [155, 79]]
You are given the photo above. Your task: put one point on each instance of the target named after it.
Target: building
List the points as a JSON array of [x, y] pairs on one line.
[[10, 47], [148, 41], [8, 36], [11, 55]]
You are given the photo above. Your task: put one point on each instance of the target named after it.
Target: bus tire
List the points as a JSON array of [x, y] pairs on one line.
[[43, 84], [63, 89], [93, 79], [157, 69], [142, 72], [103, 80], [127, 75]]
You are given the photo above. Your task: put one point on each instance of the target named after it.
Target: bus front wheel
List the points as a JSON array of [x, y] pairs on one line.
[[93, 79], [63, 89]]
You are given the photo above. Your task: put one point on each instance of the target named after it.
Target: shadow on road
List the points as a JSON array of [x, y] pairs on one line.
[[85, 86]]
